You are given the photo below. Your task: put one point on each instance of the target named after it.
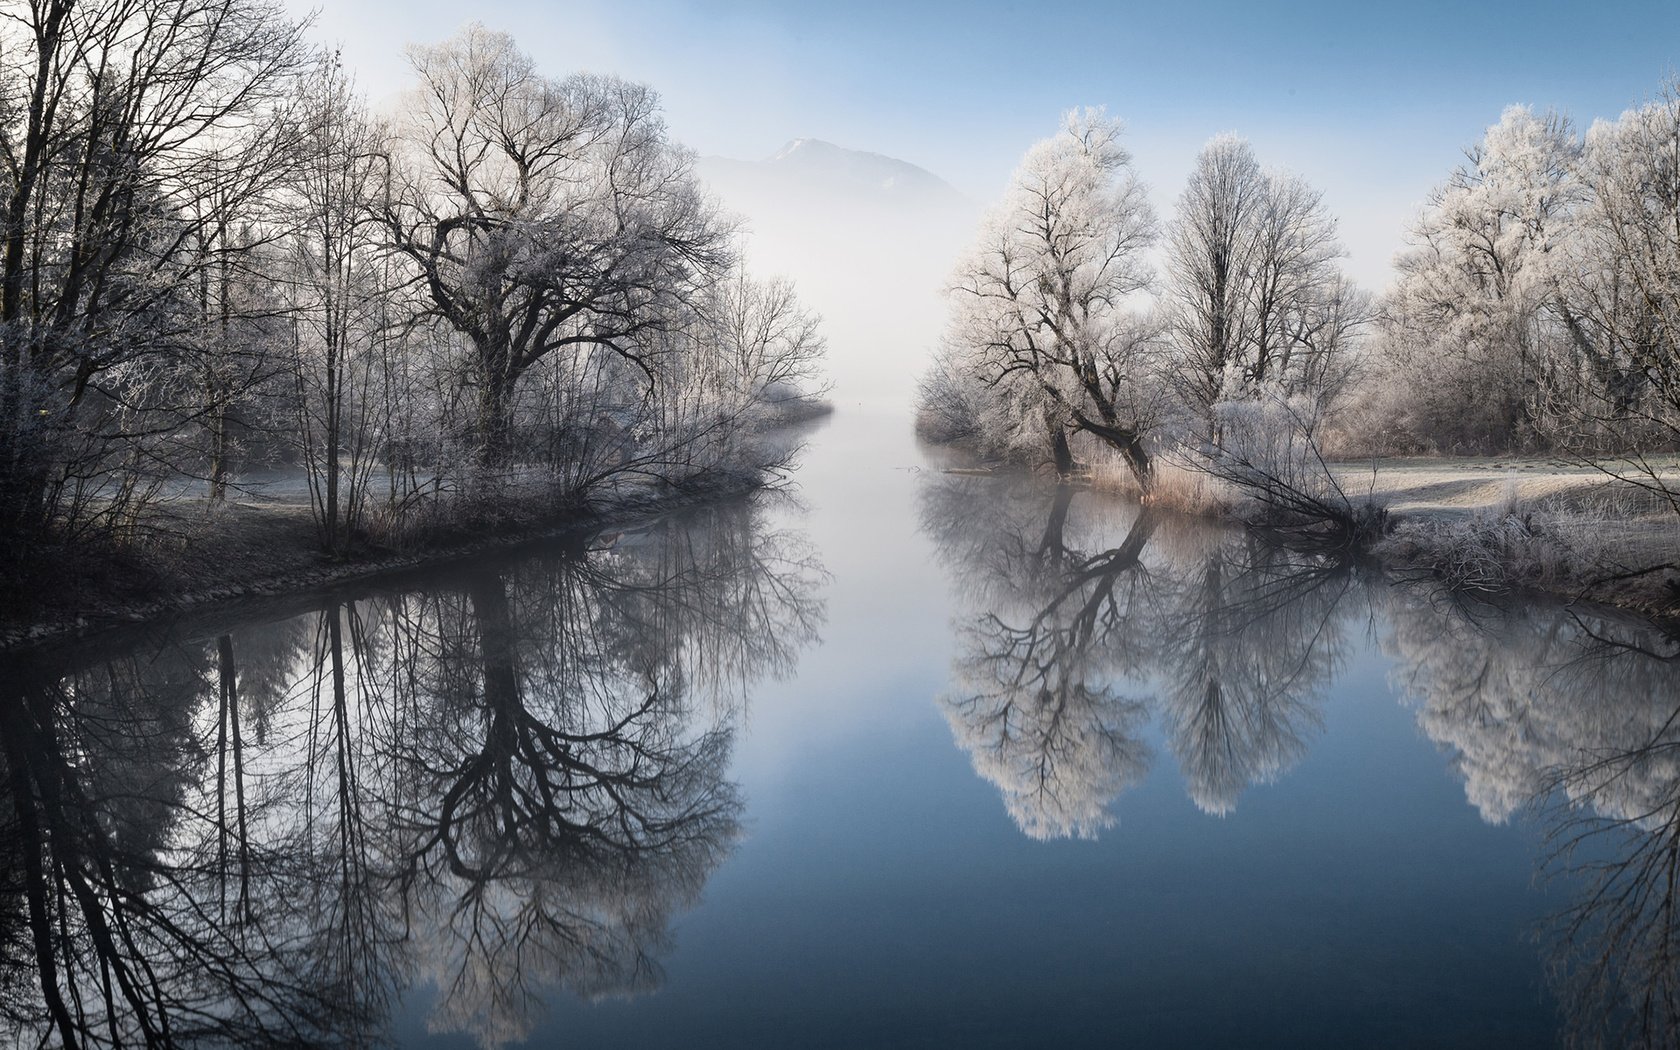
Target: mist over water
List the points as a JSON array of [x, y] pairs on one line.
[[478, 571], [869, 240], [891, 756]]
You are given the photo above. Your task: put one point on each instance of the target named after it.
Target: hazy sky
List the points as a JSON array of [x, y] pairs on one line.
[[1372, 102]]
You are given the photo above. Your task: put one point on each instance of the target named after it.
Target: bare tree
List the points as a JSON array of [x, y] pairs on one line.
[[544, 215], [771, 346], [1211, 250], [132, 133], [1255, 299], [339, 281]]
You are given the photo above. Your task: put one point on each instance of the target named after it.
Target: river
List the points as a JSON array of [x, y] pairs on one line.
[[897, 756]]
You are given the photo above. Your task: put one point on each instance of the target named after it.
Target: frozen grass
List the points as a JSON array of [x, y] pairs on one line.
[[1177, 487], [257, 549], [1480, 524], [1609, 545], [1482, 552]]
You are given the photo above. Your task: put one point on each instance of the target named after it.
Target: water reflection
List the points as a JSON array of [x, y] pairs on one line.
[[1082, 621], [1084, 624], [503, 783], [1576, 718]]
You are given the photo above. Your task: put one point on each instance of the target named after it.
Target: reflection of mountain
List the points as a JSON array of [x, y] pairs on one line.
[[1078, 634], [505, 784], [869, 240]]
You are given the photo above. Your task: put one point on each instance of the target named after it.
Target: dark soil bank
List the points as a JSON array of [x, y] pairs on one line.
[[201, 562]]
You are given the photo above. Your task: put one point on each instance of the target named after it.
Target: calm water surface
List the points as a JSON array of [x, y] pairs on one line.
[[899, 758]]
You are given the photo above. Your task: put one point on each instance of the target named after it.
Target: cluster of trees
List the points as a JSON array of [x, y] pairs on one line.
[[1061, 327], [506, 785], [1537, 305], [212, 251]]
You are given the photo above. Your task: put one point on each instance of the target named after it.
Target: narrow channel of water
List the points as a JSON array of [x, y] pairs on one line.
[[898, 757]]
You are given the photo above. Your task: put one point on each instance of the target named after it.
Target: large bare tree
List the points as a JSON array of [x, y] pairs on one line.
[[544, 214], [1253, 293]]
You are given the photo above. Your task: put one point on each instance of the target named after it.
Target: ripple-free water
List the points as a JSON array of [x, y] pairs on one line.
[[898, 758]]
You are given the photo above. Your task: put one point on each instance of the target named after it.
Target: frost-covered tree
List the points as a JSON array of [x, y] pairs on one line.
[[544, 215], [1536, 303], [134, 137], [1621, 291], [1044, 310], [1209, 248], [339, 282], [1254, 296], [1476, 323]]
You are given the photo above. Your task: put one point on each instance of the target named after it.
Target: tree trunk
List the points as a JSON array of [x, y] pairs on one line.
[[336, 544], [1059, 449], [1129, 443], [218, 450], [495, 408], [1138, 458]]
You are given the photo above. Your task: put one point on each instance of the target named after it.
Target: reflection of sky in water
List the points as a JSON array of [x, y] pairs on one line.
[[1246, 801]]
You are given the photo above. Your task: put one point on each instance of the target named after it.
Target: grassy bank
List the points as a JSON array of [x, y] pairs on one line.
[[1483, 524], [1500, 523]]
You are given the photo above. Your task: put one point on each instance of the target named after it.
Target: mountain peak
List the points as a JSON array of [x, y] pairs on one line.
[[794, 146], [861, 171]]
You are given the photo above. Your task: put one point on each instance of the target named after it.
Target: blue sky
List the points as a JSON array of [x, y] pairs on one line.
[[1372, 102]]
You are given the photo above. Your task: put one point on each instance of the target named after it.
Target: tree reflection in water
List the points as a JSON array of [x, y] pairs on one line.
[[505, 783], [1577, 719], [1076, 632], [1077, 636]]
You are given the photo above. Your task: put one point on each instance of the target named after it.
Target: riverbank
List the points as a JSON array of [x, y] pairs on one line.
[[1561, 527], [260, 542], [256, 548], [1483, 524]]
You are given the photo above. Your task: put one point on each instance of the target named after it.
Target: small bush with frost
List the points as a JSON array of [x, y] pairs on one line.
[[1515, 545]]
